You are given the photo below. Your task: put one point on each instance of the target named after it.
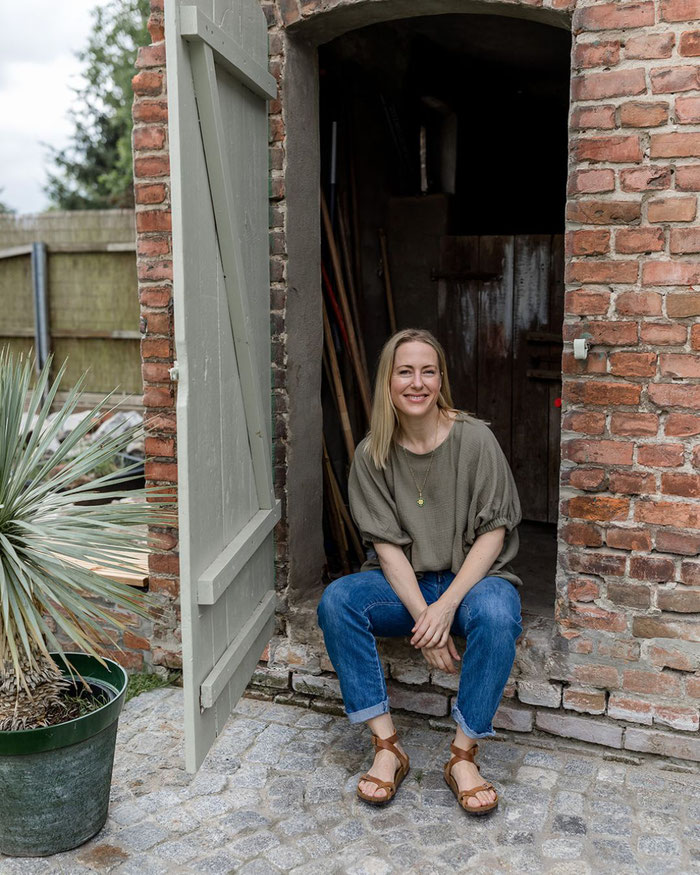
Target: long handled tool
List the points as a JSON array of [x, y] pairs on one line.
[[387, 281], [337, 385]]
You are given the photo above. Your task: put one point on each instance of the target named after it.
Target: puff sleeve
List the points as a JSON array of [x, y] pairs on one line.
[[371, 503], [494, 495]]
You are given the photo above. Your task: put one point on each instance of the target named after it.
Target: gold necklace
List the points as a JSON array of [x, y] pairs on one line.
[[420, 501]]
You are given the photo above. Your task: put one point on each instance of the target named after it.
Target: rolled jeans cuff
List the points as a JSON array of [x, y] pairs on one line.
[[462, 723], [368, 713]]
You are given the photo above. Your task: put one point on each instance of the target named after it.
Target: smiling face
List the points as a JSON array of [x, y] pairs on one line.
[[415, 379]]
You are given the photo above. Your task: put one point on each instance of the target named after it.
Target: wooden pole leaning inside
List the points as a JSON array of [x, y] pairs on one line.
[[356, 360], [337, 385], [387, 281]]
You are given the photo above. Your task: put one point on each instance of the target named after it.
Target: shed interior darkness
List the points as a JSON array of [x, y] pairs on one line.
[[451, 137]]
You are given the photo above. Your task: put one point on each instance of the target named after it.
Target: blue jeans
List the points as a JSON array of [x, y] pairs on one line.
[[355, 608]]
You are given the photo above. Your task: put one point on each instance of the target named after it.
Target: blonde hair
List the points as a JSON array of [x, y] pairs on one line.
[[384, 419]]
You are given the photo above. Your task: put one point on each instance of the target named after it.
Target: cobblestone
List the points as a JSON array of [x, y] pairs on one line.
[[277, 794]]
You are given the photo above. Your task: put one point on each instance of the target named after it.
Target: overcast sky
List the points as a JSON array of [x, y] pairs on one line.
[[38, 41]]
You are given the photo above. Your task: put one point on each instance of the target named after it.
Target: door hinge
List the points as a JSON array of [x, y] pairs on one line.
[[174, 372]]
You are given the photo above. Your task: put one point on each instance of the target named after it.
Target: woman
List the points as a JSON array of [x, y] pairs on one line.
[[432, 494]]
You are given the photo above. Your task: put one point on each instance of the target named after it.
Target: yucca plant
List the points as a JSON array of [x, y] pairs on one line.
[[42, 530]]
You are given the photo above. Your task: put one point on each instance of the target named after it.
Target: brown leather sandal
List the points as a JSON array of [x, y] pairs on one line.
[[463, 795], [401, 771]]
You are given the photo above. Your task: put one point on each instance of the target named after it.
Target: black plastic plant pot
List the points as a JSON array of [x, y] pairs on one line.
[[55, 782]]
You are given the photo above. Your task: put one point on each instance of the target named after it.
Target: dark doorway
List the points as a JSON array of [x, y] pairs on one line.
[[447, 137]]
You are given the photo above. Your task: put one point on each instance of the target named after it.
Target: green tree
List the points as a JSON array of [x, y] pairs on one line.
[[94, 171]]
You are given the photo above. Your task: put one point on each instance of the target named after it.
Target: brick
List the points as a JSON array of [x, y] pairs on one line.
[[674, 79], [581, 728], [675, 145], [674, 395], [602, 452], [602, 272], [684, 543], [158, 446], [687, 110], [681, 306], [688, 178], [151, 56], [585, 616], [680, 10], [149, 137], [632, 483], [672, 209], [660, 334], [583, 302], [597, 507], [583, 589], [614, 150], [591, 181], [667, 273], [661, 455], [137, 642], [147, 82], [164, 586], [150, 110], [679, 365], [630, 596], [156, 348], [151, 166], [581, 535], [599, 54], [161, 421], [638, 304], [682, 425], [695, 337], [418, 701], [153, 220], [606, 676], [631, 240], [165, 563], [632, 424], [583, 700], [316, 685], [149, 247], [155, 28], [690, 573], [684, 240], [410, 673], [154, 271], [588, 242], [613, 16], [150, 193], [677, 717], [599, 392], [633, 364], [604, 333], [628, 539], [652, 683], [155, 372], [595, 212], [649, 46], [668, 513], [590, 479], [653, 627], [540, 693], [643, 115], [590, 118], [645, 179], [666, 744], [621, 707], [692, 687], [670, 656], [514, 717], [679, 601], [157, 471], [587, 423]]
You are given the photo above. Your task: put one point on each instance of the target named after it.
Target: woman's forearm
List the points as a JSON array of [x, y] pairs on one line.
[[476, 566], [401, 576]]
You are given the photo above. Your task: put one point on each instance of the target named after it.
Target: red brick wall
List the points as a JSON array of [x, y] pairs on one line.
[[155, 274], [628, 588]]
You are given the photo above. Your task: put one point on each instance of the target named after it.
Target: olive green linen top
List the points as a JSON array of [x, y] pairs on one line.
[[469, 490]]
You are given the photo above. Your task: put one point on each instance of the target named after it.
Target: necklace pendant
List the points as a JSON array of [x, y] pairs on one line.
[[420, 502]]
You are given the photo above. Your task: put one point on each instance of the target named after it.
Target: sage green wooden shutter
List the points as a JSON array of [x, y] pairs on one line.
[[218, 85]]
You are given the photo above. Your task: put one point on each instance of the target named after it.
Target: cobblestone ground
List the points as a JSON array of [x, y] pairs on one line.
[[277, 794]]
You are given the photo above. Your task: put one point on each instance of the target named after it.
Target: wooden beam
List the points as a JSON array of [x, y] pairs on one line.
[[196, 27], [217, 578], [258, 627]]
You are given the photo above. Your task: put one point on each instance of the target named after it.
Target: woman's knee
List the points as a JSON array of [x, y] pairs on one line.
[[333, 604], [497, 607]]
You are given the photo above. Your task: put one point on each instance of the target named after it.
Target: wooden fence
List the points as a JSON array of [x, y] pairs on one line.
[[86, 264]]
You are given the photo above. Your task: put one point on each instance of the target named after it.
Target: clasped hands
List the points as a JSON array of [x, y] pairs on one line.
[[431, 634]]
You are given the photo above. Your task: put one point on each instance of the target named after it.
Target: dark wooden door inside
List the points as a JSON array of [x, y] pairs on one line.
[[500, 314]]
